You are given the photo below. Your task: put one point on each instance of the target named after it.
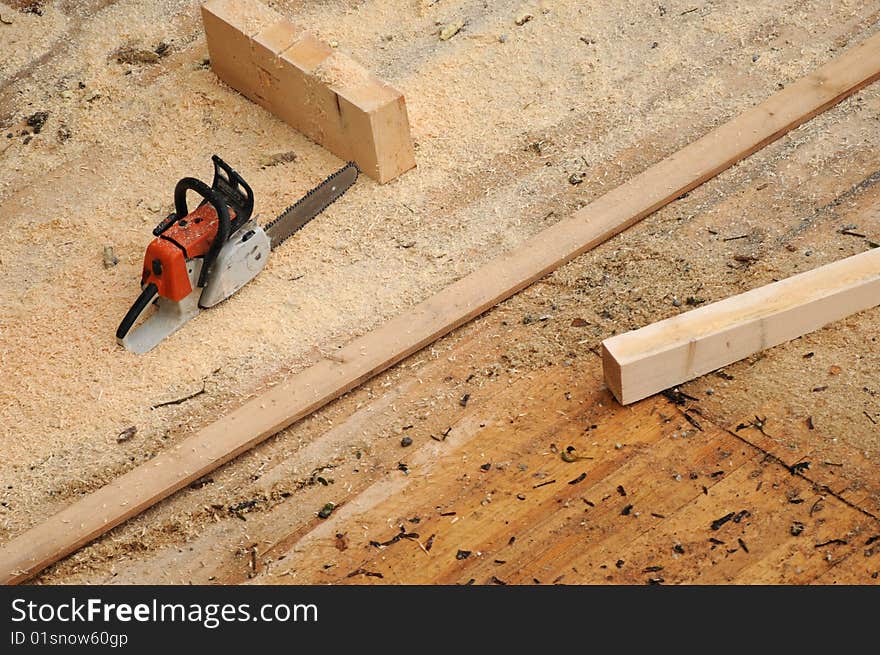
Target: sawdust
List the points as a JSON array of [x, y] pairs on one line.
[[500, 126], [28, 36]]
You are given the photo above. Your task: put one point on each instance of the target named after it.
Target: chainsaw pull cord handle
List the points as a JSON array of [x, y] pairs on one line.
[[143, 301], [211, 196]]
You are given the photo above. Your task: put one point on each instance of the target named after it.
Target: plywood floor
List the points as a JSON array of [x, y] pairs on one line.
[[539, 478], [655, 500]]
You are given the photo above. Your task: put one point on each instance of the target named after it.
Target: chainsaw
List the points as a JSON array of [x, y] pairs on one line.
[[200, 258]]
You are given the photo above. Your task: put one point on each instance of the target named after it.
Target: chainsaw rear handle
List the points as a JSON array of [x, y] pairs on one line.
[[223, 229], [143, 301]]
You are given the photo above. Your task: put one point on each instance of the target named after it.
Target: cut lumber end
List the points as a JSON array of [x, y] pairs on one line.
[[643, 362], [321, 92], [611, 371], [377, 113]]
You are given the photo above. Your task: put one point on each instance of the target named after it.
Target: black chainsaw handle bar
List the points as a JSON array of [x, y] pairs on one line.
[[211, 196]]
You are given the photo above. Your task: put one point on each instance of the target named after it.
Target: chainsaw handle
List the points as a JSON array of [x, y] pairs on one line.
[[211, 196], [234, 190], [143, 301]]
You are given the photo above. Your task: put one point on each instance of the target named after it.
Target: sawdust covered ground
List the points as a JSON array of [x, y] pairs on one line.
[[505, 116]]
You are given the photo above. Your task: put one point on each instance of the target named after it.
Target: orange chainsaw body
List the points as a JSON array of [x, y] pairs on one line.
[[166, 256]]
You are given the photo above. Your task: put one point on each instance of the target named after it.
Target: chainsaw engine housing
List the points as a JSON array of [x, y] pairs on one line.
[[243, 256]]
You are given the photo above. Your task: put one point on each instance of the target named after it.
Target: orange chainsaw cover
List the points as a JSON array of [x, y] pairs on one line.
[[166, 256]]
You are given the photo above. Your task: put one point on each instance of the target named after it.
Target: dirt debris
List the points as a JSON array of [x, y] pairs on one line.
[[126, 434], [450, 30], [277, 158], [132, 55]]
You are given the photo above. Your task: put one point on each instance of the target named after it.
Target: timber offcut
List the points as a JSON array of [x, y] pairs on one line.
[[313, 87], [646, 361]]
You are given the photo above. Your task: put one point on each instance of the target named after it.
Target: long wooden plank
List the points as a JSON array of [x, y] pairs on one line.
[[366, 356], [643, 362]]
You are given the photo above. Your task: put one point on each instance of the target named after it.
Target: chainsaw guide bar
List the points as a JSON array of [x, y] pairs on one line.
[[313, 203]]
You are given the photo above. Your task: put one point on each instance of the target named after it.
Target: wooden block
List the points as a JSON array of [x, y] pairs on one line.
[[664, 354], [321, 92], [266, 48], [376, 112], [230, 24], [308, 103]]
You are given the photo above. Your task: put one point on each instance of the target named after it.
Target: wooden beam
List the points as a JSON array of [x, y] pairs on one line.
[[229, 26], [643, 362], [321, 92], [497, 280]]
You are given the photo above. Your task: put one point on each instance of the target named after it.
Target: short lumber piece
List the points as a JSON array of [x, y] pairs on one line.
[[321, 92], [643, 362], [368, 355]]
